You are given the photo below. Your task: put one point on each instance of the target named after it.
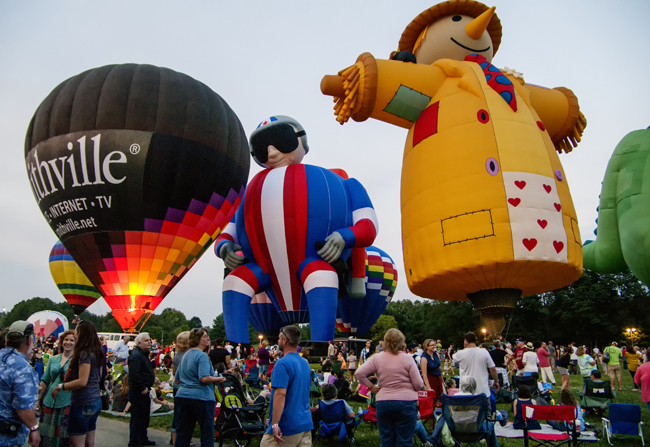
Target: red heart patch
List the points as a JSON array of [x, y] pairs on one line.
[[542, 223], [520, 184], [514, 202], [558, 207], [547, 188], [558, 245], [530, 243]]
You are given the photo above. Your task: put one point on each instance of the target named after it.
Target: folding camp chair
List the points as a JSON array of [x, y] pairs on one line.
[[598, 395], [254, 383], [531, 383], [563, 413], [624, 419], [336, 423], [426, 400], [466, 418]]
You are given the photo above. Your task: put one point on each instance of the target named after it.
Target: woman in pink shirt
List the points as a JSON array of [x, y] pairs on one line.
[[642, 379], [397, 390]]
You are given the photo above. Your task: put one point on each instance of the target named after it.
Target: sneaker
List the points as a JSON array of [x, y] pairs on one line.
[[427, 444]]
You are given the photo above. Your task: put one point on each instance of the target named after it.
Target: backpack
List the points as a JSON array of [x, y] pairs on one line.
[[606, 355]]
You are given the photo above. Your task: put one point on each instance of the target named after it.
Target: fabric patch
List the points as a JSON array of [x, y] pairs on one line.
[[407, 104]]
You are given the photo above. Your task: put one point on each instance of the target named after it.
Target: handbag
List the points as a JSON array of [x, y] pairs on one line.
[[606, 356]]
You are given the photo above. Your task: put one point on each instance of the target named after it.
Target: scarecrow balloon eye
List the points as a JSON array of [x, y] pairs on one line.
[[456, 18]]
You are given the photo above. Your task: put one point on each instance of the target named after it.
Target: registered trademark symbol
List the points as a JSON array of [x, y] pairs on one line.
[[134, 149]]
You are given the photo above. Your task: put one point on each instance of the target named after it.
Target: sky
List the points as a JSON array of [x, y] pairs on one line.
[[267, 58]]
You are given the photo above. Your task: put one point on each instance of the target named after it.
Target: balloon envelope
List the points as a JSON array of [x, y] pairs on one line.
[[72, 282], [137, 169], [263, 315], [48, 322], [357, 315]]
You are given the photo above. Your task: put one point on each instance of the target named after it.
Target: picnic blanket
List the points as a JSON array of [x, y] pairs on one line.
[[510, 432]]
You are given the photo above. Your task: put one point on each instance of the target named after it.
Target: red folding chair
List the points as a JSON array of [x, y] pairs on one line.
[[426, 403], [560, 413]]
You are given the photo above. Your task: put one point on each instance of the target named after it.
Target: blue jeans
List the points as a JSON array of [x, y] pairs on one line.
[[83, 418], [191, 411], [396, 421], [420, 431]]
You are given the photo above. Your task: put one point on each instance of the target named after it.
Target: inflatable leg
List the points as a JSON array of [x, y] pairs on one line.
[[238, 290], [321, 289]]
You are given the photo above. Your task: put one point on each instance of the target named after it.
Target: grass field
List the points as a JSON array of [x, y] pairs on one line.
[[366, 436]]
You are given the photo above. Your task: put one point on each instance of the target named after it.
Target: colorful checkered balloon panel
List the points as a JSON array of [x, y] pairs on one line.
[[357, 315], [72, 282]]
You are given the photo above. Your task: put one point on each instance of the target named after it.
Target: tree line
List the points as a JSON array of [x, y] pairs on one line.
[[595, 310]]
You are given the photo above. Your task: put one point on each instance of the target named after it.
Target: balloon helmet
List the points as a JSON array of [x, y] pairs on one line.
[[283, 132]]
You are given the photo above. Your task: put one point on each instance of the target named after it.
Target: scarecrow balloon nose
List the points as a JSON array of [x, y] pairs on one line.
[[477, 27]]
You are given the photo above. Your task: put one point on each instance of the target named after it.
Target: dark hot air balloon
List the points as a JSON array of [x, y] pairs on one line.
[[137, 169]]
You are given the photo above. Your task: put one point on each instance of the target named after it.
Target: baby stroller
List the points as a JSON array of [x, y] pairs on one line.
[[237, 420]]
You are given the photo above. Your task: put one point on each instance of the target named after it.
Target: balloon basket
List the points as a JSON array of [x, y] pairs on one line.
[[492, 306]]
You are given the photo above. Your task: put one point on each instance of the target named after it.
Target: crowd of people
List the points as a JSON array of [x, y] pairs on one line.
[[58, 403]]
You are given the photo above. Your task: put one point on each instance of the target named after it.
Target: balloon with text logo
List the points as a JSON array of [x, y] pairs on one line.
[[137, 169], [72, 282]]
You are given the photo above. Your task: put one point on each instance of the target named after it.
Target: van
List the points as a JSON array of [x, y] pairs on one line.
[[113, 338]]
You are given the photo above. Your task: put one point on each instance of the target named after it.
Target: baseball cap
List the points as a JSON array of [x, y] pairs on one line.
[[520, 340], [21, 327]]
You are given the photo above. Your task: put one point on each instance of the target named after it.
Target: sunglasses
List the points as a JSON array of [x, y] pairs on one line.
[[281, 136]]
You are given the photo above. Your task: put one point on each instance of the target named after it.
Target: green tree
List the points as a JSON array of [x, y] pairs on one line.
[[195, 322], [218, 329], [378, 330]]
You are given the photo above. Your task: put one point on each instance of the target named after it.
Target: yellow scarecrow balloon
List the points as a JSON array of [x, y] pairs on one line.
[[486, 210]]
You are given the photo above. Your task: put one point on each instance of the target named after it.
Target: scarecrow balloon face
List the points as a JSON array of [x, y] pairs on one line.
[[455, 37], [137, 169]]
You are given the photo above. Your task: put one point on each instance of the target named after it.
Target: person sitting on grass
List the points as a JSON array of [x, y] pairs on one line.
[[523, 399], [343, 387], [567, 398]]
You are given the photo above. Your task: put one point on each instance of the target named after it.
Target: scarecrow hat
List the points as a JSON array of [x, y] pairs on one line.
[[470, 8]]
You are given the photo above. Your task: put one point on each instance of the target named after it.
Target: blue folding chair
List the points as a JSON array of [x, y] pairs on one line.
[[336, 423], [467, 420], [624, 419]]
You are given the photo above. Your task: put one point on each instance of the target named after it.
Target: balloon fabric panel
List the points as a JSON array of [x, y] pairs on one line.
[[73, 284]]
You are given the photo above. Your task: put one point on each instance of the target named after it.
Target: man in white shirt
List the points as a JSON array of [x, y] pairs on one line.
[[476, 362], [121, 351]]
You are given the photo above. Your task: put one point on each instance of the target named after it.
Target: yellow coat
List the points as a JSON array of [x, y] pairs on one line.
[[485, 202]]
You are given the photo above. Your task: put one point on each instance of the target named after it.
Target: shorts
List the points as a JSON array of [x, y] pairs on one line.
[[614, 371], [562, 370], [264, 369], [300, 440], [83, 418]]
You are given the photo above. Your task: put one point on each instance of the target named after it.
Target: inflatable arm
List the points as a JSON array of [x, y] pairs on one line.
[[365, 226], [381, 89], [559, 110]]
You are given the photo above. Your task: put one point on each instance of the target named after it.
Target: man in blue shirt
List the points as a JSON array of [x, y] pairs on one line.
[[18, 388], [290, 417], [121, 351]]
